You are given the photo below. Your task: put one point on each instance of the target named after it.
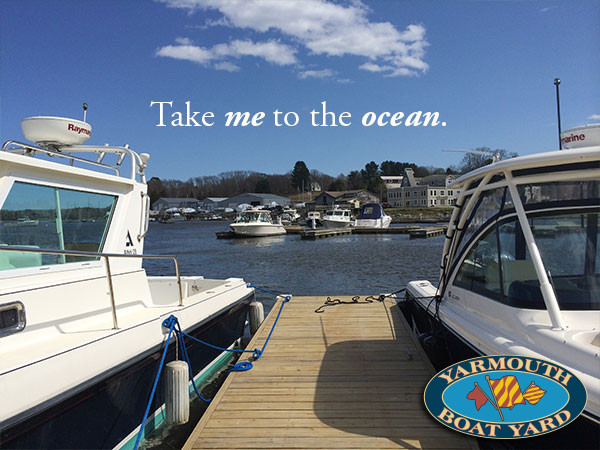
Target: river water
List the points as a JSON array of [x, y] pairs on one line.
[[338, 265]]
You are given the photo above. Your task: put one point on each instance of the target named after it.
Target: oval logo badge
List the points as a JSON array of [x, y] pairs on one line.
[[505, 397]]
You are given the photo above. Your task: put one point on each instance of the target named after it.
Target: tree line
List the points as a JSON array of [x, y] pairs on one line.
[[301, 179]]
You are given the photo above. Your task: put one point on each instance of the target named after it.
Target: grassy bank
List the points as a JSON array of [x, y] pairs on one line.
[[408, 215]]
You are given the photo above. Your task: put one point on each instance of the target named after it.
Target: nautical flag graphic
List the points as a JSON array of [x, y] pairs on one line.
[[533, 393], [479, 396], [506, 392]]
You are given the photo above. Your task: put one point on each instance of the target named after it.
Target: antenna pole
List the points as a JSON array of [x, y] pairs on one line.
[[556, 83], [85, 107]]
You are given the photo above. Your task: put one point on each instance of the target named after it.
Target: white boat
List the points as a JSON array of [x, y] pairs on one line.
[[175, 217], [256, 223], [289, 215], [521, 271], [81, 331], [372, 215], [337, 218], [23, 222], [313, 219]]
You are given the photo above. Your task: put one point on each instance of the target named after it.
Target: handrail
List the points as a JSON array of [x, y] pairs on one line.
[[106, 257], [49, 152], [144, 219]]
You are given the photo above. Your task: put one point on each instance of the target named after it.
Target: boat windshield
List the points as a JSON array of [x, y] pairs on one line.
[[499, 265], [248, 217]]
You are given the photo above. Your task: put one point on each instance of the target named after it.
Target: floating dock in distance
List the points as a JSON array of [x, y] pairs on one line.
[[320, 233], [415, 231], [351, 377], [428, 232]]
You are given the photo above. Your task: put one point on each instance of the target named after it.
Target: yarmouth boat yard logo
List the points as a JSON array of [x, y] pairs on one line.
[[505, 397]]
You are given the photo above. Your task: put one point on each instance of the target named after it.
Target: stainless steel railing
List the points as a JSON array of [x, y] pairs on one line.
[[106, 257], [49, 152]]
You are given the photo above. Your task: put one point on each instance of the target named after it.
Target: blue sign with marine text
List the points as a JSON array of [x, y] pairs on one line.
[[505, 397]]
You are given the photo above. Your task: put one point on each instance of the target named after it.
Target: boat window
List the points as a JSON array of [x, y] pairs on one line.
[[479, 271], [569, 247], [52, 218], [489, 205], [554, 169], [575, 192]]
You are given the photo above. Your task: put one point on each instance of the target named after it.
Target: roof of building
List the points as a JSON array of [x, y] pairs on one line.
[[266, 196], [432, 178], [336, 194], [214, 199], [178, 200]]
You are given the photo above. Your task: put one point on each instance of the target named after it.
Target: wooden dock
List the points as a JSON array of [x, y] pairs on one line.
[[415, 231], [428, 232], [351, 377], [321, 233]]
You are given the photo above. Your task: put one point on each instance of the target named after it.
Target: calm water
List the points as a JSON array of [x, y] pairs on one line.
[[339, 265]]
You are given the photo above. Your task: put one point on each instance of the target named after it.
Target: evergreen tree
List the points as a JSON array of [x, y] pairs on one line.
[[301, 176]]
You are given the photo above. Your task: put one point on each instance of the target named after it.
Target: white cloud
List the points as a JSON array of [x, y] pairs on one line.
[[187, 52], [216, 56], [183, 41], [322, 28], [228, 66], [594, 117], [324, 73]]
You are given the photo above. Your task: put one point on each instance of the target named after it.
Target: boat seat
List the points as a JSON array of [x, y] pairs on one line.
[[19, 260], [517, 270]]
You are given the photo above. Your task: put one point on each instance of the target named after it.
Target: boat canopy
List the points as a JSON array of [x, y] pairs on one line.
[[371, 211]]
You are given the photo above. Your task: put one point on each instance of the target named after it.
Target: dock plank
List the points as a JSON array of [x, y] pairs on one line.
[[350, 377]]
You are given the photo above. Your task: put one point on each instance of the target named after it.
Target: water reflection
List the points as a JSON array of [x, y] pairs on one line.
[[262, 241], [339, 265]]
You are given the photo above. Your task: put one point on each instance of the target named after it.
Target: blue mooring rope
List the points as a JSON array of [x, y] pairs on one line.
[[172, 323], [162, 361]]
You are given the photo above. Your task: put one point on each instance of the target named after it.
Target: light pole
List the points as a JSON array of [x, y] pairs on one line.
[[556, 83]]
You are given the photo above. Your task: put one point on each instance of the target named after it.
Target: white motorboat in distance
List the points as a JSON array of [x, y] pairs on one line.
[[521, 272], [81, 323], [256, 223], [337, 218], [372, 215]]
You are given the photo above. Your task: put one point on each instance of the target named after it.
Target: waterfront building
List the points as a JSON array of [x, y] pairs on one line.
[[392, 181], [254, 199], [431, 191], [344, 199], [212, 203], [166, 203]]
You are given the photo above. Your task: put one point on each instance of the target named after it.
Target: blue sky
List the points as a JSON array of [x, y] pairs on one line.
[[487, 67]]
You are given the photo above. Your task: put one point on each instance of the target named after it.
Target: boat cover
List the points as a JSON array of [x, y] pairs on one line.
[[371, 211]]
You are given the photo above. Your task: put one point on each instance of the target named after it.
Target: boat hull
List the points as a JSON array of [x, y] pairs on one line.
[[444, 347], [257, 230], [109, 411], [382, 222]]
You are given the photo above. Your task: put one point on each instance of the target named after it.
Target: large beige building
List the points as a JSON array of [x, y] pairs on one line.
[[431, 191]]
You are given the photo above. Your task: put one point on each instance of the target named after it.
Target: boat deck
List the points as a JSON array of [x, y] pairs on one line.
[[350, 377]]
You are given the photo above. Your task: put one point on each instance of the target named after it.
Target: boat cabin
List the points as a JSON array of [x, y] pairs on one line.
[[526, 235]]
